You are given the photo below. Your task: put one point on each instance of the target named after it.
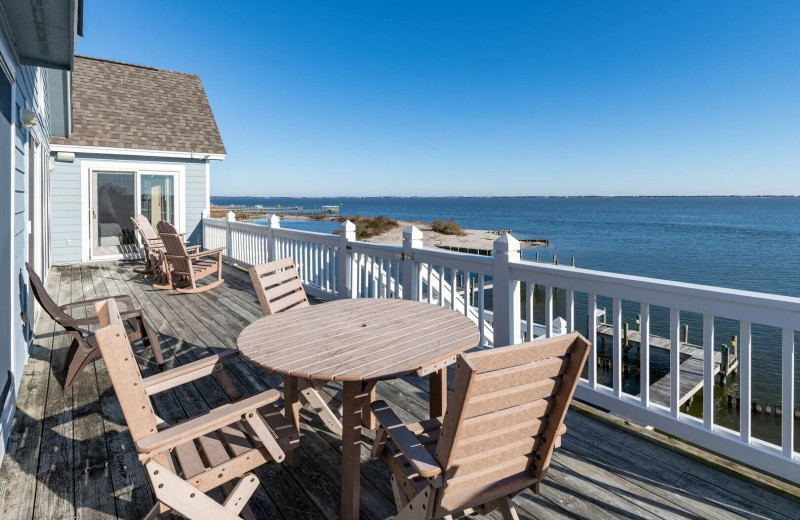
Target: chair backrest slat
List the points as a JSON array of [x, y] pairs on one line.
[[145, 228], [505, 410], [43, 297], [278, 286], [124, 371], [173, 243]]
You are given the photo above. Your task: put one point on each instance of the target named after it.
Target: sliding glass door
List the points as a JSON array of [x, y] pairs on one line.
[[113, 207], [117, 196], [158, 198]]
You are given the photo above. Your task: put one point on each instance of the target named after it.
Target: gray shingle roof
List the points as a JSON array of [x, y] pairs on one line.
[[120, 105]]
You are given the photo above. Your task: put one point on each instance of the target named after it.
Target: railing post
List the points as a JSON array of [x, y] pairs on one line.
[[344, 281], [412, 238], [506, 292], [274, 222], [229, 236], [204, 215]]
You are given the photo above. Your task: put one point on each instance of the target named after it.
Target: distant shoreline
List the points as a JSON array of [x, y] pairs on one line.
[[301, 197]]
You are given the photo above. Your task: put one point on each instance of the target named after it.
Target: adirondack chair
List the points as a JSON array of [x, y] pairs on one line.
[[278, 287], [184, 461], [186, 266], [504, 417], [151, 243], [83, 350], [153, 246]]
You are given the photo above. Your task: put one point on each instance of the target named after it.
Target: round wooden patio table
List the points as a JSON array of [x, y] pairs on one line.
[[358, 342]]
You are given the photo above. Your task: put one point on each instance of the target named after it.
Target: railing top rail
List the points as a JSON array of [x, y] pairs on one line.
[[767, 309], [376, 249], [445, 258], [216, 222], [306, 236], [249, 226]]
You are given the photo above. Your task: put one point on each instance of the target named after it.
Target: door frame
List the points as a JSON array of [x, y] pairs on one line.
[[138, 169]]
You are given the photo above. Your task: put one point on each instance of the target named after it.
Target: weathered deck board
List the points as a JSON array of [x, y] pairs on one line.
[[70, 456]]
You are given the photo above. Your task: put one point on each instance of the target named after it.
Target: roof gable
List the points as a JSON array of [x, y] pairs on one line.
[[120, 105]]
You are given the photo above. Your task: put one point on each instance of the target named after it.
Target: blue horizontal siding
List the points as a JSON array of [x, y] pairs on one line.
[[67, 214]]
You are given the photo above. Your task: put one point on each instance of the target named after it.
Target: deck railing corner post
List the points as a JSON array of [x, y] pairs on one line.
[[274, 222], [345, 286], [412, 239], [506, 291]]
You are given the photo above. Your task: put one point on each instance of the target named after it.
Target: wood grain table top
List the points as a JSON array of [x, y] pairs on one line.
[[358, 340]]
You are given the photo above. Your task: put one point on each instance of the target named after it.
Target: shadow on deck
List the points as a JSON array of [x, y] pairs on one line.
[[70, 456]]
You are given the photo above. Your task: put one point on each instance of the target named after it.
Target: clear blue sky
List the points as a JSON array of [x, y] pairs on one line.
[[482, 98]]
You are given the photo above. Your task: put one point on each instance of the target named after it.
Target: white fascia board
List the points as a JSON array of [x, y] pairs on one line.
[[137, 152]]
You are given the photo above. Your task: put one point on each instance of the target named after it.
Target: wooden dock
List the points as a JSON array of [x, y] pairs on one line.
[[691, 366], [69, 455]]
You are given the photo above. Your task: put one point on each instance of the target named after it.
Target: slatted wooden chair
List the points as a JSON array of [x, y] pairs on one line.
[[186, 266], [186, 460], [279, 288], [504, 417], [153, 247], [83, 349]]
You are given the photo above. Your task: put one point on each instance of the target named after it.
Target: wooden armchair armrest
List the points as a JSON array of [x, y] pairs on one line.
[[190, 249], [124, 298], [153, 242], [206, 423], [186, 373], [419, 458], [210, 252]]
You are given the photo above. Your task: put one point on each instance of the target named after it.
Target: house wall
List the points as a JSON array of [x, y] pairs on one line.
[[25, 87], [69, 199]]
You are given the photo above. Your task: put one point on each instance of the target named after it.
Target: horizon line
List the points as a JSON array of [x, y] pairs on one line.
[[500, 196]]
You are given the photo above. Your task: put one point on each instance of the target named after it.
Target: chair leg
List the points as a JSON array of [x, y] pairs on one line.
[[420, 507], [400, 499], [78, 357], [508, 510], [155, 513], [189, 501], [152, 340], [310, 395], [240, 494]]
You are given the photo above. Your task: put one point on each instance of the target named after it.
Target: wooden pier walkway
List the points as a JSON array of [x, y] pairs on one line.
[[69, 455], [691, 366]]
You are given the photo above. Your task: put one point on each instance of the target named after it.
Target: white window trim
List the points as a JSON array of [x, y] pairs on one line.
[[137, 168]]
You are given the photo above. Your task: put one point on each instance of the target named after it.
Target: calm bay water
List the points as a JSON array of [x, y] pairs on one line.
[[743, 243]]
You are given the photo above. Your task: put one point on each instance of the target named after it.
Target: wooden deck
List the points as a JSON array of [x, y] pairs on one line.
[[70, 456]]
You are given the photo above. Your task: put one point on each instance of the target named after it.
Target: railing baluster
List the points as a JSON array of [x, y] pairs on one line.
[[453, 282], [570, 310], [481, 315], [591, 326], [644, 355], [617, 348], [428, 281], [441, 286], [708, 371], [787, 369], [530, 287], [467, 289], [745, 380], [675, 362], [548, 311]]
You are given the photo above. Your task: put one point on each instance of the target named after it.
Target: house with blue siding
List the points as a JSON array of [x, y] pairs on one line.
[[142, 141], [89, 144], [37, 45]]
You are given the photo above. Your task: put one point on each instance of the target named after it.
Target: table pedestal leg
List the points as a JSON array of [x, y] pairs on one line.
[[353, 401], [291, 403], [438, 392]]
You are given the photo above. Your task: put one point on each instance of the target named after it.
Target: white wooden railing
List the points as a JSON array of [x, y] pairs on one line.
[[334, 266]]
